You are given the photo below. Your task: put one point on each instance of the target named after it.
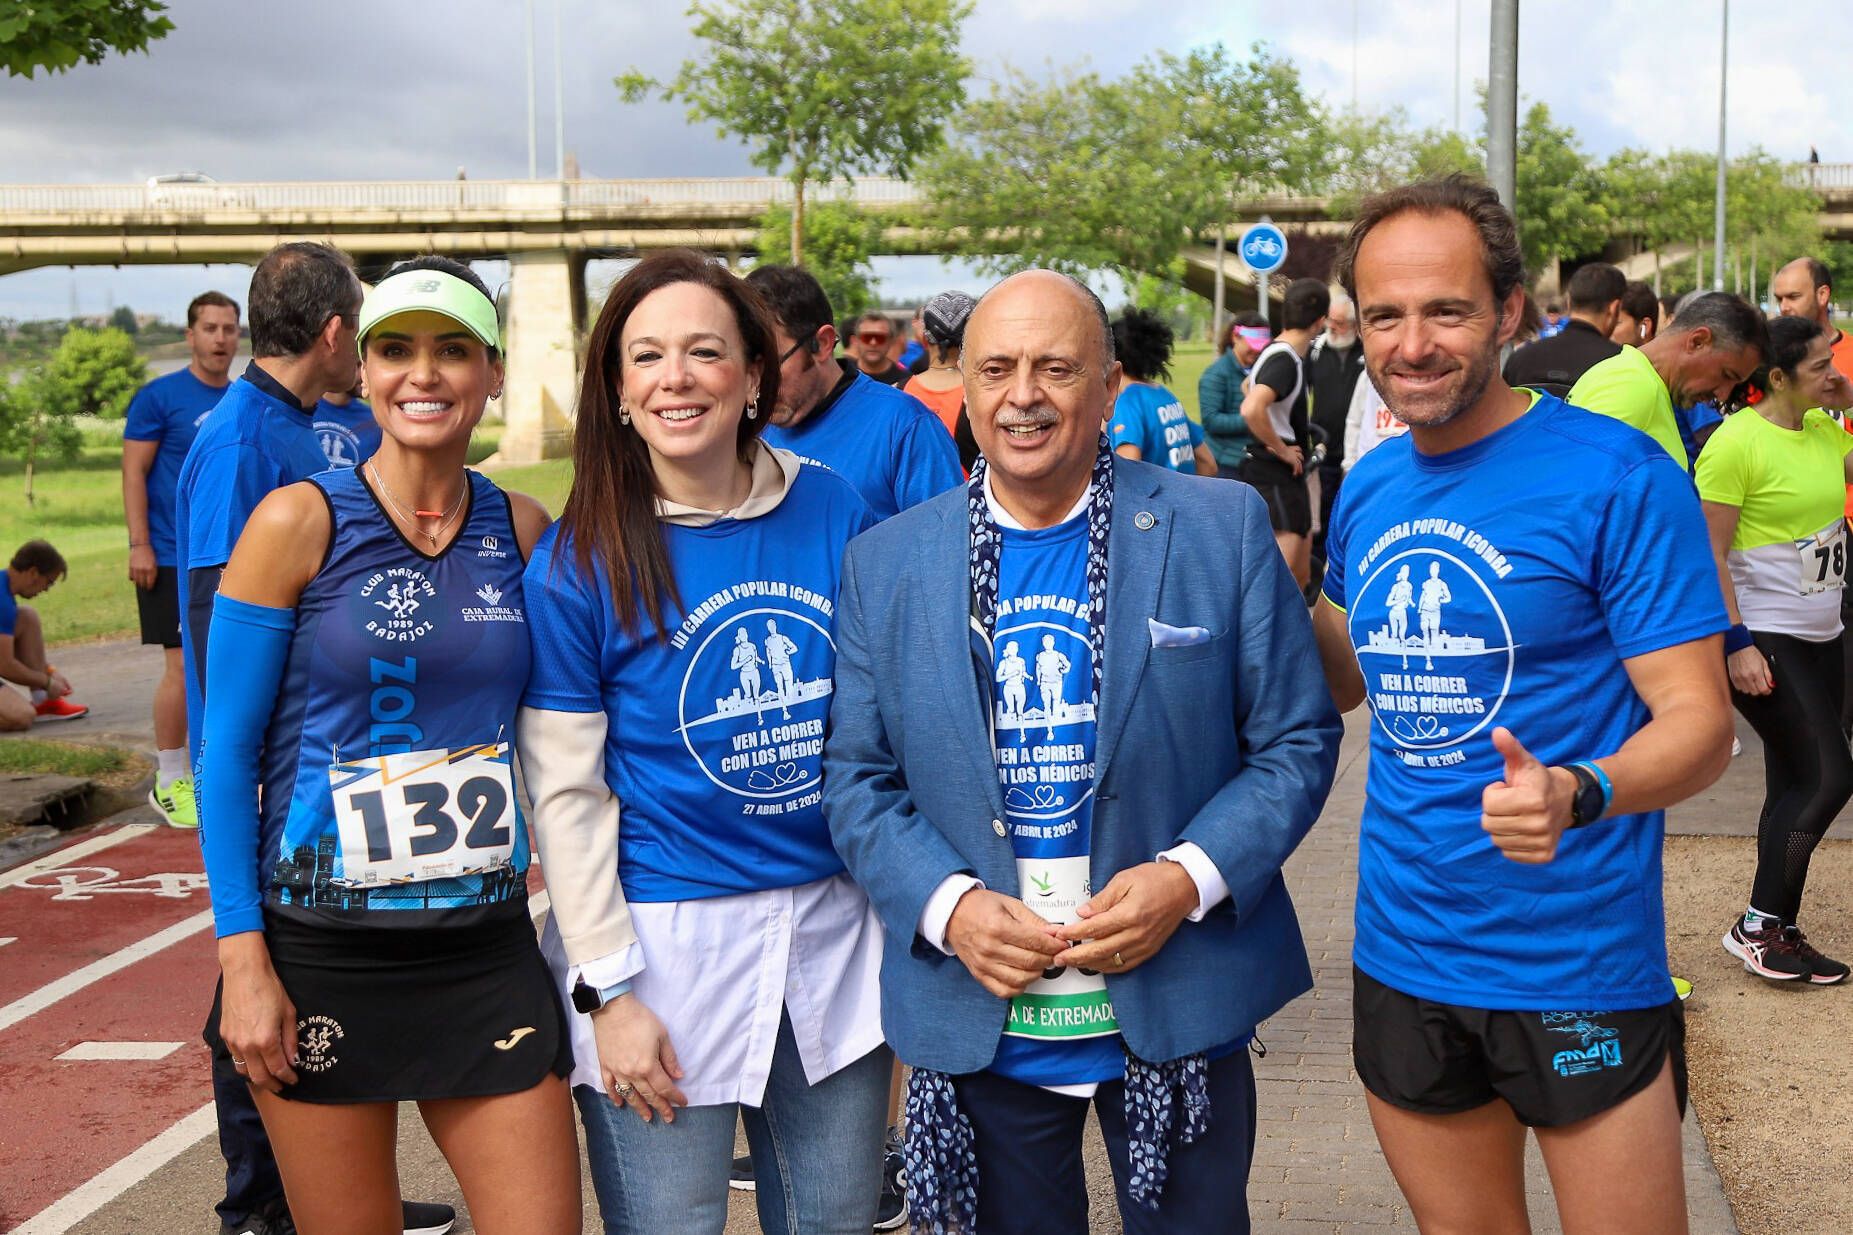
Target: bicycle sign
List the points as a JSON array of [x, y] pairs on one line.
[[1263, 248]]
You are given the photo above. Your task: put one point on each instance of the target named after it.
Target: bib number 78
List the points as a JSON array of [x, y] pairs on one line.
[[1824, 560], [424, 815]]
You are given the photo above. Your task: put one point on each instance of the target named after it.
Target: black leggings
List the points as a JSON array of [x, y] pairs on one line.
[[1807, 768]]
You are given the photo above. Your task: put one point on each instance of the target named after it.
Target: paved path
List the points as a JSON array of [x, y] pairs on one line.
[[114, 1146]]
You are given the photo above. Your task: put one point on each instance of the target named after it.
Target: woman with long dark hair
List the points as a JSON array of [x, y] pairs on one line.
[[683, 618], [1773, 480], [367, 857]]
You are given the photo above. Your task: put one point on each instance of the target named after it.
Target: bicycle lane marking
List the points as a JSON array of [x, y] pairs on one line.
[[88, 902], [137, 1109]]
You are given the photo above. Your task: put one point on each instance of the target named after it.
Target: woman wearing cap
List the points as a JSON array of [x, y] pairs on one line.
[[1219, 391], [941, 386], [682, 615], [368, 652]]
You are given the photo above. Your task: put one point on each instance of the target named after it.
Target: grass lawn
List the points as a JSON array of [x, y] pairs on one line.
[[29, 755], [79, 510]]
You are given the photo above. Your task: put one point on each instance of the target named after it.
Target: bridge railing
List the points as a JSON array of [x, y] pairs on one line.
[[1822, 177], [485, 196]]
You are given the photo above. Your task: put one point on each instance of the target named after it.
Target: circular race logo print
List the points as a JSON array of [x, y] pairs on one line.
[[753, 702], [1438, 662]]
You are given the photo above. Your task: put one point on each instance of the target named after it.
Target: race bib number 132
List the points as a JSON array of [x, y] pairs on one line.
[[425, 814]]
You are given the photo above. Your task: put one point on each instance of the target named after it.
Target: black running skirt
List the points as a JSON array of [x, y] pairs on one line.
[[414, 1015]]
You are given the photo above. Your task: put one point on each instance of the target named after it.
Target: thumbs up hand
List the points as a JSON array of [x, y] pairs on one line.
[[1526, 813]]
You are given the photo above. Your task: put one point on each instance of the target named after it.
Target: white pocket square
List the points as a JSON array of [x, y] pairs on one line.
[[1164, 636]]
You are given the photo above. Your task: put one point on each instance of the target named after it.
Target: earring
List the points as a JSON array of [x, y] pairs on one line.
[[624, 413], [752, 406]]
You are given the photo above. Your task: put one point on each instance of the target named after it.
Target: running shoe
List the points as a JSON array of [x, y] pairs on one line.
[[1822, 970], [176, 802], [60, 708], [426, 1218], [1771, 952], [741, 1178], [891, 1208]]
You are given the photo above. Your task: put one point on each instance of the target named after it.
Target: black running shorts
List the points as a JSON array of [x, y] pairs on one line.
[[1290, 506], [159, 608], [412, 1014], [1552, 1068]]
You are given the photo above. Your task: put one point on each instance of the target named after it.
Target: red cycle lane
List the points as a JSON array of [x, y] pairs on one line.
[[133, 909]]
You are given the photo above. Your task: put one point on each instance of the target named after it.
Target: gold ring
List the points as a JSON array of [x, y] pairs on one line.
[[623, 1091], [1118, 961]]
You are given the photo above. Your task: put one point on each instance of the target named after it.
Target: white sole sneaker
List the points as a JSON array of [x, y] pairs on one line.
[[1753, 962]]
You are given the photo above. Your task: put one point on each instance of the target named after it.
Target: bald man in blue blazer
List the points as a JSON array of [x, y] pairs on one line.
[[1079, 725]]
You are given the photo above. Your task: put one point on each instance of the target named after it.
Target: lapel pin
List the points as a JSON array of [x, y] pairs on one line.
[[1145, 521]]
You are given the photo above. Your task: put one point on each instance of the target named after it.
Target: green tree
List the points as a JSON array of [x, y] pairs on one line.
[[37, 422], [1226, 127], [1073, 173], [55, 35], [1768, 220], [95, 373], [841, 239], [822, 90], [123, 319], [1560, 205]]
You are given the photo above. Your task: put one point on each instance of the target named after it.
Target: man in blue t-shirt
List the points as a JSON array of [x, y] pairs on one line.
[[886, 443], [34, 568], [1558, 685], [164, 416], [345, 427]]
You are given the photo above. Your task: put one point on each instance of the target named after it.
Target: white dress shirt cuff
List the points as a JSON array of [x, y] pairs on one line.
[[1211, 889], [939, 906], [608, 970]]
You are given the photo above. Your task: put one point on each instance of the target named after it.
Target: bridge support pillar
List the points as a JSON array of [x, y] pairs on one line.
[[546, 310]]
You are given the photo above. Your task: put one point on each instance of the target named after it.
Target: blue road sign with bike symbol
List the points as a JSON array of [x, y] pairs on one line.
[[1263, 248]]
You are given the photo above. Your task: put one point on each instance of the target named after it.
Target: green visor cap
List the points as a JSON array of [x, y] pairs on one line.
[[430, 291]]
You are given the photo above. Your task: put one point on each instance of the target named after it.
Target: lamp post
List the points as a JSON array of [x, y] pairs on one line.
[[1502, 104], [1717, 220]]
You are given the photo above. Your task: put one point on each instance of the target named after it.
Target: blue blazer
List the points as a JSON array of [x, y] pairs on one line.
[[1230, 743]]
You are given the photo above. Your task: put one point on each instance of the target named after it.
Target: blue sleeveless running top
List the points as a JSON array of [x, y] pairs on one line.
[[388, 797]]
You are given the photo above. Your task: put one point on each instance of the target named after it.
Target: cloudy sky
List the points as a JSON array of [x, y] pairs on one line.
[[355, 89]]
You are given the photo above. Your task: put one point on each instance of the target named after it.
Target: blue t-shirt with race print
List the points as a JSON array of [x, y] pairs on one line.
[[1151, 418], [714, 744], [1061, 1030], [169, 411], [1503, 584], [348, 434]]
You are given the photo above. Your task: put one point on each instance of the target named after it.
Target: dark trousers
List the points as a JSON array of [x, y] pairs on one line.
[[1031, 1180], [1331, 475], [252, 1184]]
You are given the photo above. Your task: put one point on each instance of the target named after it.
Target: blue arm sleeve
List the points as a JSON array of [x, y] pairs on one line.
[[244, 669]]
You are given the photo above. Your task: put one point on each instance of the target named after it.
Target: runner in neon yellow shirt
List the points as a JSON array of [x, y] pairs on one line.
[[1715, 342], [1772, 480]]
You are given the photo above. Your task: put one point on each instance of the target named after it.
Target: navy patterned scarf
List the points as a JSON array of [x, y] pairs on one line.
[[1167, 1103]]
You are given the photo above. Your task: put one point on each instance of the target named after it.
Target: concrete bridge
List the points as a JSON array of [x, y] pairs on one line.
[[546, 229]]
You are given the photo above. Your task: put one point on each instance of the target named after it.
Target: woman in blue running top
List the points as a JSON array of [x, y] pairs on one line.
[[367, 857], [1149, 422], [683, 618]]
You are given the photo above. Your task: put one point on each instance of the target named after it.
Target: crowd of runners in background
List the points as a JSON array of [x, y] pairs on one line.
[[363, 637]]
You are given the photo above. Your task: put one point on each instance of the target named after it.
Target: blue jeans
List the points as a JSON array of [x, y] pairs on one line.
[[1031, 1180], [816, 1154]]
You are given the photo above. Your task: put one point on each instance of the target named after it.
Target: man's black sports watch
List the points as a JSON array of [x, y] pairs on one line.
[[1589, 801]]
